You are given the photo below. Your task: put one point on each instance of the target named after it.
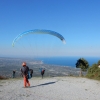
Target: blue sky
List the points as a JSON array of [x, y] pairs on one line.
[[77, 20]]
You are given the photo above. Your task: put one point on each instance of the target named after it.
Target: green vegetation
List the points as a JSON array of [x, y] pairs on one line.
[[94, 71], [83, 64]]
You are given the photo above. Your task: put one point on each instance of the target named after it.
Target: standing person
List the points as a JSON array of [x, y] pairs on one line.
[[25, 70], [21, 74], [31, 72], [42, 71], [14, 73]]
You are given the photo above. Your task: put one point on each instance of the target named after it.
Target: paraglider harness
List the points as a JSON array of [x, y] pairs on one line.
[[29, 75], [30, 72]]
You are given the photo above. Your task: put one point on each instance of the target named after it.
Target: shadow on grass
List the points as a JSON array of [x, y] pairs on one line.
[[43, 84]]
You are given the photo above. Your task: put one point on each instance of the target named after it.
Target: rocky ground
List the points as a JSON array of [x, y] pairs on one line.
[[50, 88]]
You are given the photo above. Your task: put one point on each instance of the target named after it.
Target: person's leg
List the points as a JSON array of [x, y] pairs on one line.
[[42, 75], [31, 74], [27, 81], [24, 81]]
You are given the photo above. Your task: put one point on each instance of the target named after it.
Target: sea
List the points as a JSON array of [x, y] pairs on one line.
[[67, 61]]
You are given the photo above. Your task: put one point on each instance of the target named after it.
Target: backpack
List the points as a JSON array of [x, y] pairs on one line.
[[29, 76], [28, 71]]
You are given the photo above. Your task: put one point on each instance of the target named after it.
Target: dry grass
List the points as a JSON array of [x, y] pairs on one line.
[[2, 78]]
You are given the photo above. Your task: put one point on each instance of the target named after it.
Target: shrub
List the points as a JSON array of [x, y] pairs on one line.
[[94, 71]]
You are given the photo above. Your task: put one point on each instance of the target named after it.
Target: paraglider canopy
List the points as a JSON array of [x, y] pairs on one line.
[[38, 31]]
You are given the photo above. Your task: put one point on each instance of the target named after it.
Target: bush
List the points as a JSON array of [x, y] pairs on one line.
[[94, 71]]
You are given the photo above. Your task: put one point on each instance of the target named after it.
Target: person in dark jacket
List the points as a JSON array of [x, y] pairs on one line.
[[14, 73], [21, 74], [25, 70], [42, 70], [31, 72]]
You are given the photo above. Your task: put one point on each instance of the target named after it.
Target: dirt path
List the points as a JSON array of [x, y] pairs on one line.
[[57, 88]]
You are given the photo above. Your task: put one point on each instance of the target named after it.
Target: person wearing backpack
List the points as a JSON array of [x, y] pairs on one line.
[[24, 71], [14, 73], [31, 72], [42, 71]]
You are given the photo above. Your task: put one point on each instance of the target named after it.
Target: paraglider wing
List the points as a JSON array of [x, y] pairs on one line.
[[37, 31]]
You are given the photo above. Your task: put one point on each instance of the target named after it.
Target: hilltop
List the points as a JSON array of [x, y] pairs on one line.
[[50, 88]]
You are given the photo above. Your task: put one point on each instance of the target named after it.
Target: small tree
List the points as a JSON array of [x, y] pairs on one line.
[[83, 64]]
